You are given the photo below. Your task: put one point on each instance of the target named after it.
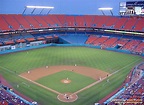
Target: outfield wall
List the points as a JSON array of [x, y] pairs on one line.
[[66, 45]]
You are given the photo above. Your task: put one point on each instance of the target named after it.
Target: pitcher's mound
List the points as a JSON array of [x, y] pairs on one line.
[[66, 81], [67, 97]]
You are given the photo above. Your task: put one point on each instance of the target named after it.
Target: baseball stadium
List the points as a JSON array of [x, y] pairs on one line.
[[51, 58]]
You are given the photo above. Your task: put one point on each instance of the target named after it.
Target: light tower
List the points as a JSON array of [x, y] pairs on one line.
[[38, 7], [106, 9]]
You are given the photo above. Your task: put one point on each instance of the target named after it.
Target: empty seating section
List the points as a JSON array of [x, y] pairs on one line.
[[62, 20], [140, 48], [19, 22], [74, 38], [102, 21], [33, 23], [23, 22], [91, 39], [129, 25], [28, 37], [49, 21], [13, 23], [121, 42], [38, 37], [139, 26], [18, 38], [7, 39], [131, 45], [95, 21], [41, 22], [3, 25], [100, 40], [70, 21], [48, 36], [80, 21], [9, 42], [110, 42], [120, 23], [88, 20], [55, 20], [111, 22]]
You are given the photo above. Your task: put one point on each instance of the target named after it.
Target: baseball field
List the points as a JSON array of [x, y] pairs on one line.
[[66, 75]]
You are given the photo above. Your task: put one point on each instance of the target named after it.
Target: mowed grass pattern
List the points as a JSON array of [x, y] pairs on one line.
[[78, 81], [101, 59], [11, 65]]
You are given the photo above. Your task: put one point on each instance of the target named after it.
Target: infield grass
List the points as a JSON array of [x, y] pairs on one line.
[[11, 65], [78, 81]]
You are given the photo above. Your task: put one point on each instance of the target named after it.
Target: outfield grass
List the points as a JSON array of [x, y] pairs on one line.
[[78, 81], [11, 65]]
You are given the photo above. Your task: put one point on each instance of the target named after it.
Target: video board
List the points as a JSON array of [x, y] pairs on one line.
[[131, 8]]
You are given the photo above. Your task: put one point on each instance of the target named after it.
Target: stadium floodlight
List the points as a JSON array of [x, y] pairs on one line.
[[38, 7], [106, 9], [42, 7]]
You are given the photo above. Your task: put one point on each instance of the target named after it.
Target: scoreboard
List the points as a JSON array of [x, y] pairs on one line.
[[130, 8]]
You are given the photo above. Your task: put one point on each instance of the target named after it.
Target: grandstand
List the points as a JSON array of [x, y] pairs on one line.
[[133, 91], [27, 29], [124, 34]]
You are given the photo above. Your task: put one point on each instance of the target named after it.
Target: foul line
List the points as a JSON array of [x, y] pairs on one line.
[[104, 78], [7, 70], [54, 91]]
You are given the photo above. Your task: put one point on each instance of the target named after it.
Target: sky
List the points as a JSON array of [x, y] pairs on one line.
[[69, 7]]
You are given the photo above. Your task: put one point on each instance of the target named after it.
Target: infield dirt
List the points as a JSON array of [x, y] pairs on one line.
[[38, 73]]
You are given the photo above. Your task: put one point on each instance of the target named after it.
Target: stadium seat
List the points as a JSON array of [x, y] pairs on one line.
[[88, 20], [62, 20], [23, 22], [80, 22], [33, 22], [139, 26], [111, 22], [129, 25], [55, 20], [12, 22], [121, 41], [109, 42], [41, 22], [100, 40], [120, 23], [49, 21], [140, 48], [3, 25], [131, 45], [91, 39], [70, 21], [102, 21]]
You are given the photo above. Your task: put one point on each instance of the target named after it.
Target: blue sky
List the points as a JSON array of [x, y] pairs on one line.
[[71, 7]]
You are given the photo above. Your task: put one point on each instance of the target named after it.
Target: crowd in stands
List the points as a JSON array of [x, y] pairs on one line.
[[7, 98], [134, 90]]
